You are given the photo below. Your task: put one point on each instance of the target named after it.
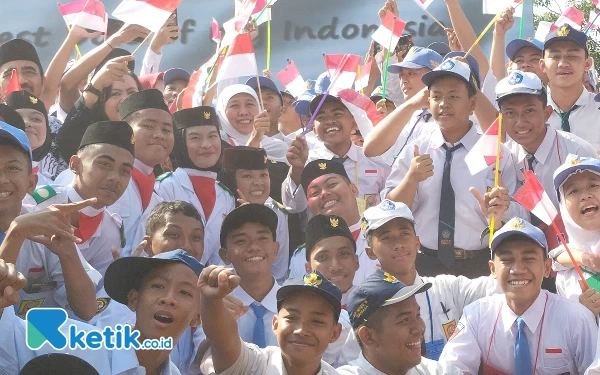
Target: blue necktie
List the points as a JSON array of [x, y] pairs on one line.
[[522, 355], [447, 213], [258, 335], [2, 235]]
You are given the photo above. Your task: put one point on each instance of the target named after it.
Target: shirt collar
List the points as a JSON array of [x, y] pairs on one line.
[[196, 172], [142, 167], [532, 316], [468, 140], [75, 197], [582, 100], [362, 363], [326, 153], [544, 150], [269, 302]]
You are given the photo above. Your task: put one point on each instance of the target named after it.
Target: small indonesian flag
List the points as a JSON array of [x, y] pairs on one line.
[[252, 8], [542, 31], [424, 3], [240, 60], [216, 31], [151, 14], [591, 24], [390, 31], [292, 80], [483, 153], [345, 77], [232, 29], [533, 197], [362, 109], [571, 16], [13, 84], [497, 6], [192, 97], [89, 14], [362, 80]]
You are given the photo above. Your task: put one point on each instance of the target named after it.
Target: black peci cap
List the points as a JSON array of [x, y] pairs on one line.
[[151, 98], [117, 133], [197, 116], [321, 167], [19, 49], [322, 226], [249, 213], [244, 157]]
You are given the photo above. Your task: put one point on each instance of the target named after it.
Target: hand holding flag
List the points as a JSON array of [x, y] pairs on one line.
[[390, 31]]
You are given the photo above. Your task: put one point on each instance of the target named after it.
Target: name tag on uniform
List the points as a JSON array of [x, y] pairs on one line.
[[371, 172], [553, 351], [434, 349]]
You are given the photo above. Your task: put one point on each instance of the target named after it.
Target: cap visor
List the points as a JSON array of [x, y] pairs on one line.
[[560, 178], [397, 68], [520, 90], [7, 135], [516, 45], [314, 104], [289, 290], [406, 292], [127, 273]]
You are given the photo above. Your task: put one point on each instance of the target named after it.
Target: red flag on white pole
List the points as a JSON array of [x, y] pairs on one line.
[[483, 153], [391, 29], [89, 14], [292, 80], [362, 108], [151, 14], [216, 31], [423, 3], [571, 16], [13, 84], [240, 60], [347, 72], [362, 79], [533, 197]]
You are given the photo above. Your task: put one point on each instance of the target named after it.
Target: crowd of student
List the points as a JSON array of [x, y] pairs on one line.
[[124, 209]]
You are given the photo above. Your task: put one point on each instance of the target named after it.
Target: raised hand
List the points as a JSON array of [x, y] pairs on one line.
[[506, 21], [591, 299], [390, 6], [165, 35], [113, 70], [216, 282], [421, 166], [493, 204], [127, 34]]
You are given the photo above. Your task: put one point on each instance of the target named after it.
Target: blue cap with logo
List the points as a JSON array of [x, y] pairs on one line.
[[377, 216], [519, 82], [516, 45], [566, 33], [518, 226], [417, 58], [263, 82], [378, 290], [574, 164], [313, 282], [127, 273], [323, 82], [16, 137], [454, 68], [302, 104], [176, 74]]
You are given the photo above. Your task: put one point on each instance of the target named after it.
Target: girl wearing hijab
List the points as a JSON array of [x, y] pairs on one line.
[[577, 183], [34, 114], [197, 152], [244, 123]]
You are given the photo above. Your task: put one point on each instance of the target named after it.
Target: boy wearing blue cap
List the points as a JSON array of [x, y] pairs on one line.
[[566, 58], [441, 199], [175, 79], [516, 332], [305, 324], [272, 100], [41, 244], [386, 318]]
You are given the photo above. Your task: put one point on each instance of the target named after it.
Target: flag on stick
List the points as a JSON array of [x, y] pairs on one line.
[[571, 16], [362, 108], [240, 60], [347, 71], [89, 14], [292, 80], [192, 96], [390, 31], [483, 154], [13, 84], [151, 14], [216, 31], [497, 6], [362, 79]]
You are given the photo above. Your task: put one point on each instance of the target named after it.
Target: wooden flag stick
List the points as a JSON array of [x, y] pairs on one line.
[[435, 19], [381, 103], [496, 174], [259, 92], [487, 28], [143, 41]]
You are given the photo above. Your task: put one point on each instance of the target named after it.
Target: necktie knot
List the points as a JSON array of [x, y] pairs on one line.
[[520, 324], [259, 310], [530, 161], [564, 125]]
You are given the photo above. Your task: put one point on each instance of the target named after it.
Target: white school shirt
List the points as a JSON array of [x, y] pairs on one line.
[[488, 88], [279, 268], [185, 352], [584, 121], [246, 322], [14, 353], [368, 176], [567, 344], [470, 221], [362, 366], [550, 155], [594, 368], [97, 249], [366, 265], [125, 362], [178, 186], [129, 208]]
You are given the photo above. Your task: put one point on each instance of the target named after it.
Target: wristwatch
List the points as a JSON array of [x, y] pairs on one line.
[[90, 88]]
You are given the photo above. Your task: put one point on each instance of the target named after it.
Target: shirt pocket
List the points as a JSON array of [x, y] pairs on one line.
[[556, 360]]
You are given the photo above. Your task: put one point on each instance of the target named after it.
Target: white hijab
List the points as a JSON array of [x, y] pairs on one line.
[[276, 149]]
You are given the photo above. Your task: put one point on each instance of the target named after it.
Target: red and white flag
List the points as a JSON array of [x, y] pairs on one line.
[[89, 14], [216, 31], [593, 22], [232, 29], [571, 16], [543, 30], [390, 31], [533, 197], [192, 97], [345, 77], [496, 6], [151, 14], [292, 80], [240, 60], [362, 79], [362, 108], [13, 84], [423, 3], [483, 154]]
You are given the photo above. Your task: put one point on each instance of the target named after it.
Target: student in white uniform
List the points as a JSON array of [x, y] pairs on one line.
[[56, 271], [102, 170], [386, 318], [390, 231], [533, 144], [574, 108], [431, 177], [526, 330], [198, 150], [152, 124], [333, 125], [330, 192], [37, 127], [305, 324], [245, 172], [525, 55]]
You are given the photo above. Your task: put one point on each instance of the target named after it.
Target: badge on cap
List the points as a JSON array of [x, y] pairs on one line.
[[207, 115], [530, 39], [33, 100], [518, 224], [411, 51], [313, 280], [309, 85], [388, 206], [515, 79], [563, 31], [574, 159], [322, 166], [390, 278], [334, 222], [434, 63], [447, 65]]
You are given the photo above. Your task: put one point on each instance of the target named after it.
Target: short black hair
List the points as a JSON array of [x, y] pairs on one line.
[[471, 91], [543, 97], [158, 216], [521, 237]]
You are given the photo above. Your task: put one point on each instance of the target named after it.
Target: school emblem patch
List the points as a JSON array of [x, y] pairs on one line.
[[515, 78], [207, 115], [447, 65], [309, 85], [517, 223], [313, 280], [563, 31], [102, 304], [388, 205], [27, 305], [574, 160], [449, 329], [334, 222], [459, 327]]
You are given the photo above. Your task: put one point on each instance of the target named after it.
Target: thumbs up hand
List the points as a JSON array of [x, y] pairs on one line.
[[421, 166]]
